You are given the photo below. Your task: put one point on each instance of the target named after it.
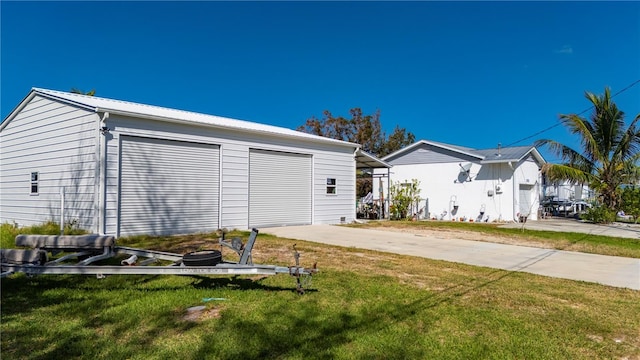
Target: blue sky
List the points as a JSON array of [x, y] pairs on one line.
[[466, 73]]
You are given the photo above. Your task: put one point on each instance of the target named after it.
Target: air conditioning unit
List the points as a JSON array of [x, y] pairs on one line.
[[498, 189]]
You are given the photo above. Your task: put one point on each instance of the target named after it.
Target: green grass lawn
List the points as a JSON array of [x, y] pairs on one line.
[[362, 305]]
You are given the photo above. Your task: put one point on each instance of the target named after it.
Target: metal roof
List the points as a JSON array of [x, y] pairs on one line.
[[454, 148], [509, 154], [487, 156], [132, 109], [364, 160]]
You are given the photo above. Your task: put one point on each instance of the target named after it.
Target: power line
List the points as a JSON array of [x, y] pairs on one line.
[[580, 113]]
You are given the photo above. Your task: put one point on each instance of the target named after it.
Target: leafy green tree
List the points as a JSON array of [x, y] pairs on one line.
[[608, 150], [91, 92], [404, 196], [397, 140], [362, 129]]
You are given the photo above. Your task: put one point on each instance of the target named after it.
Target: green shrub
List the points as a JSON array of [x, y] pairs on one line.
[[599, 215], [9, 231], [630, 203], [403, 197]]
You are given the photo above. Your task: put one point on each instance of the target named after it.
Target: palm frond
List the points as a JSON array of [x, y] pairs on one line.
[[586, 132], [567, 154], [610, 151], [561, 172]]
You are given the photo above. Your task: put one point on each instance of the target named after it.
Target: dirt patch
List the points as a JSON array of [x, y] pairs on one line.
[[201, 313]]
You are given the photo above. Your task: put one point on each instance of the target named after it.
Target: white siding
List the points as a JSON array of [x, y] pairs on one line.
[[112, 175], [59, 142], [527, 178], [235, 185], [442, 184], [328, 208]]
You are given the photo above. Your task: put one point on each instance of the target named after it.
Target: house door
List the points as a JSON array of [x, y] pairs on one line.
[[526, 194]]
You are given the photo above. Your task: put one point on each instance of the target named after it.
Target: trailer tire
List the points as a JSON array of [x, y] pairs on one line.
[[202, 258]]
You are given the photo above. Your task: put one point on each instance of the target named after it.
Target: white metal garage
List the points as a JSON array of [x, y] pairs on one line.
[[279, 188], [123, 168], [168, 187]]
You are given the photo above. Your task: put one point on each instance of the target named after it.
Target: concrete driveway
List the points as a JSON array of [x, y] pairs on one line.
[[608, 270]]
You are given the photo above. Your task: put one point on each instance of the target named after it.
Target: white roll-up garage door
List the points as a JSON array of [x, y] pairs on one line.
[[168, 187], [279, 188]]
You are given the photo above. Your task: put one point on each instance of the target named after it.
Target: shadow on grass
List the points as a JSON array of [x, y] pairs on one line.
[[52, 317], [96, 319], [309, 331], [242, 283], [104, 325]]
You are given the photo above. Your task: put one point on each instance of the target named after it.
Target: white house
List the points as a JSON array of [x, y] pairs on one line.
[[457, 182], [122, 168]]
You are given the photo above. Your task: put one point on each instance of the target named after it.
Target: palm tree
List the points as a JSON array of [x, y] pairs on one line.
[[609, 151]]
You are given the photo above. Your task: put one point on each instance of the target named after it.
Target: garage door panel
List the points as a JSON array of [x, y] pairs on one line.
[[279, 188], [168, 187]]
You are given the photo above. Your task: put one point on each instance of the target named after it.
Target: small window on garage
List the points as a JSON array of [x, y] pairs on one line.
[[331, 186], [34, 183]]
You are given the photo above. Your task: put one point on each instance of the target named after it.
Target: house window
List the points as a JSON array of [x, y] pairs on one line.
[[34, 183], [331, 185]]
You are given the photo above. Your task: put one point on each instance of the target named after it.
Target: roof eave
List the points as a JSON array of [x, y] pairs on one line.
[[501, 161], [317, 139], [18, 108], [533, 150], [405, 149], [539, 156], [36, 91], [67, 101], [432, 144]]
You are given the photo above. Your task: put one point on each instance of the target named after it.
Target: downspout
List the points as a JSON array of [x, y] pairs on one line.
[[354, 214], [101, 171], [388, 200], [513, 196]]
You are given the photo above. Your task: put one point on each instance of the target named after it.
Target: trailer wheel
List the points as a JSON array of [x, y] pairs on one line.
[[202, 258]]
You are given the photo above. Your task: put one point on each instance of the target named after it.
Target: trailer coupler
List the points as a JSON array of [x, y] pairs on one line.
[[302, 275]]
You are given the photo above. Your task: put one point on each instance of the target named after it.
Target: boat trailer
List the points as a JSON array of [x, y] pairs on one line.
[[88, 250]]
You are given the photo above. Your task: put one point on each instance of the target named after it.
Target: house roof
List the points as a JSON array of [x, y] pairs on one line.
[[509, 154], [126, 108], [486, 156], [455, 148]]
